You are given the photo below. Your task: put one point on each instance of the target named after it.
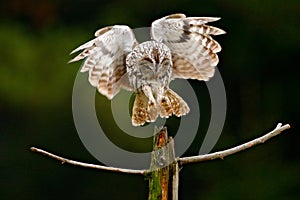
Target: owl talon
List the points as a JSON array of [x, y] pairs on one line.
[[151, 104]]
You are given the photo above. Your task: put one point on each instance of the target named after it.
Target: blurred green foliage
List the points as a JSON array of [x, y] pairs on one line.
[[259, 65]]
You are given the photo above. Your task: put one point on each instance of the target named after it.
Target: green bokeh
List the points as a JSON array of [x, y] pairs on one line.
[[259, 64]]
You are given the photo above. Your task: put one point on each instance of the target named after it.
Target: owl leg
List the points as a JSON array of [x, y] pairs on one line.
[[165, 107], [148, 92], [140, 110], [152, 105], [165, 110], [144, 108]]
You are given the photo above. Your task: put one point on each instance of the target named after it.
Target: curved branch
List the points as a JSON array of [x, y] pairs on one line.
[[221, 154], [93, 166], [182, 161]]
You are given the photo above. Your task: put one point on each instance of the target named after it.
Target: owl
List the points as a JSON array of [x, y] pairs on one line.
[[180, 47]]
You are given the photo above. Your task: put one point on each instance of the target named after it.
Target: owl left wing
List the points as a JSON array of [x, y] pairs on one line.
[[194, 51], [105, 59]]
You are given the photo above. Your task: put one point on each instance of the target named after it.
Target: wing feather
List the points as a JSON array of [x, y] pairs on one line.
[[193, 49], [105, 58]]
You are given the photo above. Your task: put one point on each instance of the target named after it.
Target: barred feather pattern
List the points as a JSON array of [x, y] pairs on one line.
[[105, 59], [181, 47], [193, 49]]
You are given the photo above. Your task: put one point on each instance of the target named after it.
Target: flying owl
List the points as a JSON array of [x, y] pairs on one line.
[[180, 47]]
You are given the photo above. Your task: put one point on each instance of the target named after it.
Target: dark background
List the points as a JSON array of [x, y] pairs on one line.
[[259, 65]]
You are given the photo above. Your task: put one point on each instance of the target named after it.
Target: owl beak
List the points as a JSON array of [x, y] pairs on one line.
[[157, 67]]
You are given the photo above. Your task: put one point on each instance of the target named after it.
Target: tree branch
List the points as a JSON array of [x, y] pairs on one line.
[[93, 166], [221, 154], [182, 161]]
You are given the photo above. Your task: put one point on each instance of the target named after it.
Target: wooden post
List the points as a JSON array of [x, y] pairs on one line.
[[163, 176]]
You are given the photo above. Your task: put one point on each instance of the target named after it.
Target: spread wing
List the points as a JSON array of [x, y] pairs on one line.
[[105, 59], [194, 51]]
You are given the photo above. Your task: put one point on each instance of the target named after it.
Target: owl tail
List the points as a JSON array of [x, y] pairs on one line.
[[146, 111], [172, 103]]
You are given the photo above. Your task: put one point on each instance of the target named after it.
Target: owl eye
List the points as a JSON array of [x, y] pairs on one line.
[[146, 68], [166, 63]]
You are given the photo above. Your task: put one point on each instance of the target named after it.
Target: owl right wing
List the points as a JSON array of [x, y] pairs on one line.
[[105, 59], [194, 51]]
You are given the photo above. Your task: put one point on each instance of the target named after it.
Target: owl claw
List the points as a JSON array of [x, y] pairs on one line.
[[151, 104], [148, 92]]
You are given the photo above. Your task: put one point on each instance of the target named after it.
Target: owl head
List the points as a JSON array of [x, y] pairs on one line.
[[150, 60]]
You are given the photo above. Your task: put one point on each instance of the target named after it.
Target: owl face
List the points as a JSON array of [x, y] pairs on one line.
[[150, 63]]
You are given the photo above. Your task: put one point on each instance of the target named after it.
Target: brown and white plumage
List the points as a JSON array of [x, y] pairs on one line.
[[105, 58], [194, 51], [181, 47]]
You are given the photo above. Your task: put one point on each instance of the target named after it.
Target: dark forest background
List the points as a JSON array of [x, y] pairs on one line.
[[259, 65]]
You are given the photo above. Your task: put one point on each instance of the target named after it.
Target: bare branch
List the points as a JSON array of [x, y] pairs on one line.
[[221, 154], [93, 166], [181, 161]]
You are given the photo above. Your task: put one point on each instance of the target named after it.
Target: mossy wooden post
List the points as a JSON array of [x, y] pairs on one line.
[[163, 176]]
